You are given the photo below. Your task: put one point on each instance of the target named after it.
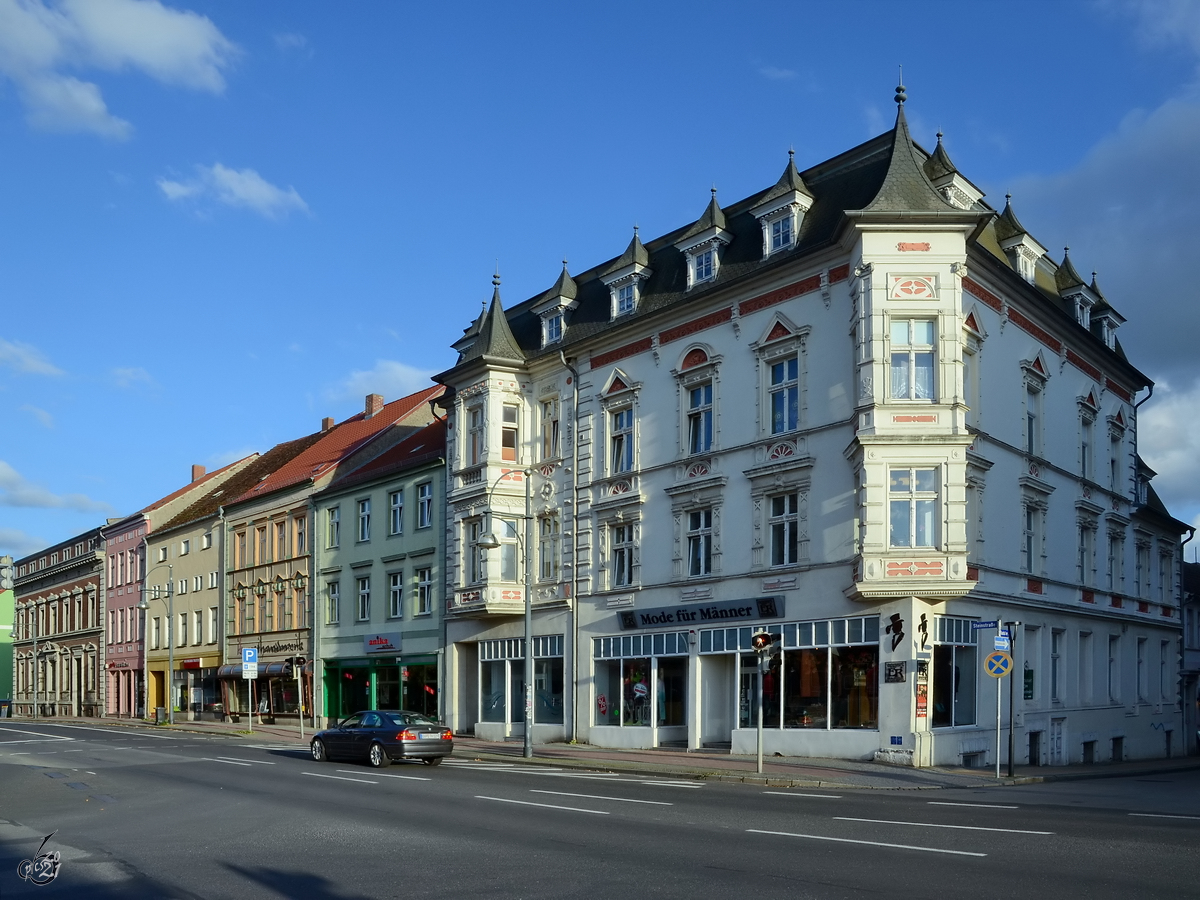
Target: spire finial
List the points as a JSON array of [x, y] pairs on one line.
[[900, 95], [564, 263], [1008, 198], [635, 229], [792, 154], [714, 191], [496, 277], [939, 135]]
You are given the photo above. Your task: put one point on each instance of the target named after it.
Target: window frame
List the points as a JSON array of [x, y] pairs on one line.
[[396, 512], [362, 594], [911, 351], [700, 542], [424, 505], [913, 500], [396, 595]]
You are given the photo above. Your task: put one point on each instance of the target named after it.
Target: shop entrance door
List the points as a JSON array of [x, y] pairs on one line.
[[1057, 727], [718, 703]]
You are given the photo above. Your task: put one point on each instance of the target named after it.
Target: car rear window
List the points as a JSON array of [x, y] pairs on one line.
[[407, 718]]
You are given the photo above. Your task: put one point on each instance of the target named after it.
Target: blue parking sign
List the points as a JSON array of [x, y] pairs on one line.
[[250, 654]]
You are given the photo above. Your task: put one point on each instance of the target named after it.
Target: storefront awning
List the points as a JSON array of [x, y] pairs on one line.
[[268, 670]]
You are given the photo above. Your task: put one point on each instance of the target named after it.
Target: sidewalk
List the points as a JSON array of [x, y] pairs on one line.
[[778, 771]]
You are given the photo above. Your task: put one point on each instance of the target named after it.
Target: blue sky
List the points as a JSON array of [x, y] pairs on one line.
[[221, 222]]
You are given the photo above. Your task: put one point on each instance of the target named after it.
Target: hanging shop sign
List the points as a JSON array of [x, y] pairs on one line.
[[387, 642], [702, 614]]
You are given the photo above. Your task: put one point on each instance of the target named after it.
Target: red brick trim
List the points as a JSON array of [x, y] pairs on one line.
[[804, 286], [628, 350], [1036, 330], [695, 325], [984, 295], [1118, 390], [1033, 586], [1083, 365], [1089, 597], [839, 273]]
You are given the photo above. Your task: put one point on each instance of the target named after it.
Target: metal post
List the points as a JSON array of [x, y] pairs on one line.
[[171, 644], [300, 696], [35, 659], [999, 628], [1012, 645], [761, 658], [528, 747]]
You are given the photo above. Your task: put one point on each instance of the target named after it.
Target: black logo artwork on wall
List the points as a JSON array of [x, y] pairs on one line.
[[923, 631], [767, 609], [628, 620], [894, 672], [896, 630]]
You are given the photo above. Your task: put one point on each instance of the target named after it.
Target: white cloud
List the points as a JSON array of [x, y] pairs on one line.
[[15, 490], [1169, 442], [774, 73], [16, 543], [241, 188], [291, 41], [131, 376], [40, 39], [392, 379], [1161, 22], [26, 358], [41, 415]]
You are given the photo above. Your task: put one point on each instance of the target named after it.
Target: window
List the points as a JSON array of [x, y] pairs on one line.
[[912, 359], [1143, 689], [197, 582], [183, 630], [185, 547], [396, 595], [508, 549], [1086, 666], [424, 505], [621, 440], [554, 328], [1114, 462], [1086, 562], [333, 602], [155, 633], [781, 233], [1166, 586], [281, 541], [785, 395], [162, 551], [261, 536], [212, 579], [550, 429], [784, 525], [112, 626], [1033, 419], [1034, 528], [396, 503], [301, 536], [364, 520], [700, 418], [548, 548], [1115, 571], [699, 538], [197, 625], [334, 536], [955, 664], [424, 591], [625, 299], [1114, 672], [1166, 690], [213, 611], [206, 540], [970, 369], [476, 556], [1142, 570], [242, 560], [364, 598], [475, 437], [622, 555], [703, 270], [182, 588], [509, 434], [912, 505], [1086, 445], [1056, 641]]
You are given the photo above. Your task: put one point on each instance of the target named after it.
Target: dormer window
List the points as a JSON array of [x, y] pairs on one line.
[[554, 328], [704, 267], [1083, 310], [626, 299], [701, 245], [781, 233]]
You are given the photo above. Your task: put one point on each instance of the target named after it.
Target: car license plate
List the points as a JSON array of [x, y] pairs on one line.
[[430, 735]]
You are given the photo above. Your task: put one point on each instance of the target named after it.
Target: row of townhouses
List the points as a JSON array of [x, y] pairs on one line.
[[861, 410]]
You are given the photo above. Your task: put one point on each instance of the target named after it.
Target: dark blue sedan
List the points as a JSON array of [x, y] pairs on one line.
[[380, 736]]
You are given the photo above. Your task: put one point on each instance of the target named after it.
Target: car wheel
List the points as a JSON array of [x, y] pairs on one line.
[[318, 751], [378, 756], [432, 760]]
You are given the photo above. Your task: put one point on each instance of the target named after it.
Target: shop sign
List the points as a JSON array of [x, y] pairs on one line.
[[118, 664], [706, 614], [295, 645], [190, 663], [387, 642]]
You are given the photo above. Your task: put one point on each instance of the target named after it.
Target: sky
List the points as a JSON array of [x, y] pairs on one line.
[[221, 222]]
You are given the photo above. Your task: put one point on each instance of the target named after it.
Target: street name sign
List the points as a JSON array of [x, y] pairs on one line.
[[975, 626]]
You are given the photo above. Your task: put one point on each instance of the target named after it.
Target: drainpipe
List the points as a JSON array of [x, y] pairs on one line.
[[574, 545], [225, 593], [1136, 428]]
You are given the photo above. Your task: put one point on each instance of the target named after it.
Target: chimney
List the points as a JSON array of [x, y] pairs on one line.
[[327, 423], [198, 472], [374, 404]]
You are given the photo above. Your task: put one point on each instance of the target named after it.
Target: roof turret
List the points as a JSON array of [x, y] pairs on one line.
[[1065, 277], [939, 165], [713, 218], [495, 339], [906, 187], [1007, 223]]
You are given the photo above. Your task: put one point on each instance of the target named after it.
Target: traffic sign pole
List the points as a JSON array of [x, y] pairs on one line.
[[1013, 626], [999, 625]]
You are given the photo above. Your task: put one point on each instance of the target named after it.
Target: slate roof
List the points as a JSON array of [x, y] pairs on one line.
[[335, 445], [712, 218], [1007, 224], [906, 187], [494, 340], [426, 445], [789, 181], [938, 165], [1065, 277]]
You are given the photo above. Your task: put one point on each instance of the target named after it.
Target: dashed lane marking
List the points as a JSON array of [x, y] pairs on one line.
[[794, 794], [340, 778], [228, 762], [939, 825], [1162, 816], [599, 797], [977, 805], [594, 812], [821, 837], [383, 775]]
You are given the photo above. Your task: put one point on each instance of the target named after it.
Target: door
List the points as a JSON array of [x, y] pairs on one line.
[[1057, 756], [340, 740]]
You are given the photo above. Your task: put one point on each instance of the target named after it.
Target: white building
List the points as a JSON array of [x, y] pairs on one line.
[[861, 410]]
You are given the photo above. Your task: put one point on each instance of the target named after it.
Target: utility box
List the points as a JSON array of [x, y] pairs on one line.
[[160, 715]]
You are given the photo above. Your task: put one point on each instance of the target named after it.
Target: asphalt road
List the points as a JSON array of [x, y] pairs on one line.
[[141, 814]]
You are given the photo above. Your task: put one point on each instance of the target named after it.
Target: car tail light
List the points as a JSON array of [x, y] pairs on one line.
[[447, 735], [406, 735]]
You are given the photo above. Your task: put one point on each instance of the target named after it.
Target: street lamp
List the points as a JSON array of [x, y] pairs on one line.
[[15, 634], [144, 605], [490, 541]]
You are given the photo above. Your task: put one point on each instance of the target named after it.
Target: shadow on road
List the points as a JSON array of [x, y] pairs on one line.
[[296, 884]]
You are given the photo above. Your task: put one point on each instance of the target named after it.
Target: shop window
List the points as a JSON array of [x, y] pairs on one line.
[[502, 680], [641, 679], [955, 664]]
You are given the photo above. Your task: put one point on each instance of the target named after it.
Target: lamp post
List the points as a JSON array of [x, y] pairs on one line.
[[490, 541], [15, 634], [144, 605]]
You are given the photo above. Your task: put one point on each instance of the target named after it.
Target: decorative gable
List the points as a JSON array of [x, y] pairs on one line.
[[624, 277], [781, 210], [554, 305], [1022, 250]]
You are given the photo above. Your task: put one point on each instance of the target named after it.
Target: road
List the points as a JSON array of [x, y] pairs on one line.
[[137, 813]]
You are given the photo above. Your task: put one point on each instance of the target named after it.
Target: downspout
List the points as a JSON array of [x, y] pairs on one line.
[[574, 545], [1136, 429], [226, 592], [317, 688]]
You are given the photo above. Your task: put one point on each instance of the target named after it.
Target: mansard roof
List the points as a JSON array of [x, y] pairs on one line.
[[1065, 277], [494, 341], [906, 187], [938, 165], [713, 218], [1007, 224]]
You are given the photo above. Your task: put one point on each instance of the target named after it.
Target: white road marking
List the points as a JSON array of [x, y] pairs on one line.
[[41, 734], [977, 805], [937, 825], [260, 762], [80, 750], [820, 837], [794, 794], [228, 762], [1146, 815], [47, 740], [594, 812], [22, 753], [122, 732], [386, 775], [339, 778], [598, 797]]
